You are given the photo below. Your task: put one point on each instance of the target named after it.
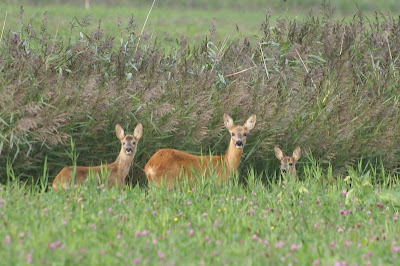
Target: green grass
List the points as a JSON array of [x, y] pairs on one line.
[[315, 219], [164, 23]]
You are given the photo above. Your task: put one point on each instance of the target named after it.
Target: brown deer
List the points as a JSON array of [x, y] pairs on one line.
[[288, 164], [169, 165], [117, 170]]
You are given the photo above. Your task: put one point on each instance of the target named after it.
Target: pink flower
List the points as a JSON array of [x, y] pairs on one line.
[[315, 262], [251, 211], [205, 214], [239, 199], [359, 245], [295, 247], [100, 212], [83, 251], [214, 253], [154, 212], [340, 263], [8, 240], [333, 245], [161, 255], [368, 212], [343, 212], [279, 244], [251, 203], [300, 202], [371, 221], [379, 205], [93, 226], [316, 226], [348, 243], [29, 257], [340, 230], [191, 232], [102, 252], [119, 235], [395, 249], [216, 223], [254, 194], [318, 203], [367, 255], [180, 214], [344, 193], [136, 260], [1, 203], [189, 203], [109, 210]]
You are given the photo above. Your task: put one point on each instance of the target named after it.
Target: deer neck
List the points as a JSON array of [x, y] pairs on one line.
[[232, 157], [123, 164]]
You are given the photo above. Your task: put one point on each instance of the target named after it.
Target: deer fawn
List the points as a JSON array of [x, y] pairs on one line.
[[117, 170], [288, 164], [168, 165]]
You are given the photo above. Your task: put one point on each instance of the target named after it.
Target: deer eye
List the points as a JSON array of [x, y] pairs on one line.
[[123, 143], [245, 134], [233, 134], [134, 143], [290, 164]]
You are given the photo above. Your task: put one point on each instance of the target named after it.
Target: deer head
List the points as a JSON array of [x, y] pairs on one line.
[[129, 142], [288, 164], [239, 133]]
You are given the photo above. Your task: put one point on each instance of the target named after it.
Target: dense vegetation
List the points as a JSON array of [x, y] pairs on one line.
[[315, 221], [329, 86]]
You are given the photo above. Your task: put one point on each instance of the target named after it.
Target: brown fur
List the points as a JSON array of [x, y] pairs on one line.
[[288, 164], [168, 165], [118, 170]]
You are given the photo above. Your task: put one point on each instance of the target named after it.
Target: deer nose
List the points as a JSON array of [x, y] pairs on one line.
[[239, 143], [128, 150], [284, 171]]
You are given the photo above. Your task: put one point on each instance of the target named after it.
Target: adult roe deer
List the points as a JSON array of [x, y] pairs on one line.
[[288, 164], [168, 165], [118, 170]]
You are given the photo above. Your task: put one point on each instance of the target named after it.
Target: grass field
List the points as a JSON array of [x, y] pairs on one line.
[[317, 221], [167, 24]]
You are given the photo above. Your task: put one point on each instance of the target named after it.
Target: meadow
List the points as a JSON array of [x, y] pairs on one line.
[[326, 80]]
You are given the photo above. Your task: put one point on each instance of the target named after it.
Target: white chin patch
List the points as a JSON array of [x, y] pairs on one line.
[[128, 152], [239, 147]]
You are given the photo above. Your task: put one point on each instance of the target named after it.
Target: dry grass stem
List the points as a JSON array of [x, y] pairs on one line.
[[2, 30], [144, 25], [263, 58]]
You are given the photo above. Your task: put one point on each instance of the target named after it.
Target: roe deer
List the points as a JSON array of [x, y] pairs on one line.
[[288, 164], [117, 170], [168, 165]]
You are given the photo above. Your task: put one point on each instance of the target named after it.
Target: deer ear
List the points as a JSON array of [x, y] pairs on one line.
[[251, 122], [138, 131], [278, 153], [119, 132], [228, 122], [296, 154]]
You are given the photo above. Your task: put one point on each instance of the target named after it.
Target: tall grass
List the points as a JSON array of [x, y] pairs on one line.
[[328, 86], [308, 221]]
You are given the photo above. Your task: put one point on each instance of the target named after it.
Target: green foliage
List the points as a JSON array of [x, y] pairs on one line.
[[288, 221], [328, 86]]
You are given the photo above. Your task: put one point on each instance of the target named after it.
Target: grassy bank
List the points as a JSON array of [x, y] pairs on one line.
[[321, 220]]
